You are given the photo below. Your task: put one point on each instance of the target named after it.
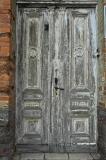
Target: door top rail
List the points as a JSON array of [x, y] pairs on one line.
[[70, 2]]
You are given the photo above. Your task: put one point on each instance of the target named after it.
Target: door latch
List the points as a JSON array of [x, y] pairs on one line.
[[56, 88], [56, 85]]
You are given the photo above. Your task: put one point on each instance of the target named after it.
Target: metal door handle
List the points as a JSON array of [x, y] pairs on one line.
[[56, 88], [56, 83]]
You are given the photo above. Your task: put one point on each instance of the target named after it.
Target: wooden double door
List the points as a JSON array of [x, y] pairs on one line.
[[56, 94]]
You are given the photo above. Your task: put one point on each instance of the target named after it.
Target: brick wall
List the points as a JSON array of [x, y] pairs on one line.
[[102, 59], [7, 48], [101, 81]]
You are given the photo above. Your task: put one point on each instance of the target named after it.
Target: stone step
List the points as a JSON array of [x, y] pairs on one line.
[[84, 156], [58, 156]]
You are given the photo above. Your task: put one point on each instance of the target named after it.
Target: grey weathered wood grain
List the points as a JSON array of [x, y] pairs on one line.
[[82, 2], [57, 43]]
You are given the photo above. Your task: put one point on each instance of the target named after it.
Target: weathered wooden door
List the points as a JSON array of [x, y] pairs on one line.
[[56, 79]]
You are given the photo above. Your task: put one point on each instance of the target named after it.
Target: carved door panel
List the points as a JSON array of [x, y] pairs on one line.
[[83, 96], [56, 79]]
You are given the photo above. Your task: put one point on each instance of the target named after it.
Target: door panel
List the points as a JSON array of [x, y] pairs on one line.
[[56, 79], [60, 97], [83, 91], [30, 68]]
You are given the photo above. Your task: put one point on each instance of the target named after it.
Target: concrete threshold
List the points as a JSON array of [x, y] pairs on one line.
[[58, 156]]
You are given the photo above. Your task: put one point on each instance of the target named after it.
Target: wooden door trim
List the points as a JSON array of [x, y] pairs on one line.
[[67, 3]]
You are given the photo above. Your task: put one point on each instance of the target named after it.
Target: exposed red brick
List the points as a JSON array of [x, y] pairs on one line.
[[4, 86], [104, 51], [4, 98], [4, 77], [6, 4], [4, 66], [5, 28], [4, 11], [5, 44], [1, 4], [4, 38], [4, 51], [5, 18]]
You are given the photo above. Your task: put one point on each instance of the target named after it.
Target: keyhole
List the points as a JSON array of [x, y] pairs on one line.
[[46, 27], [56, 81]]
